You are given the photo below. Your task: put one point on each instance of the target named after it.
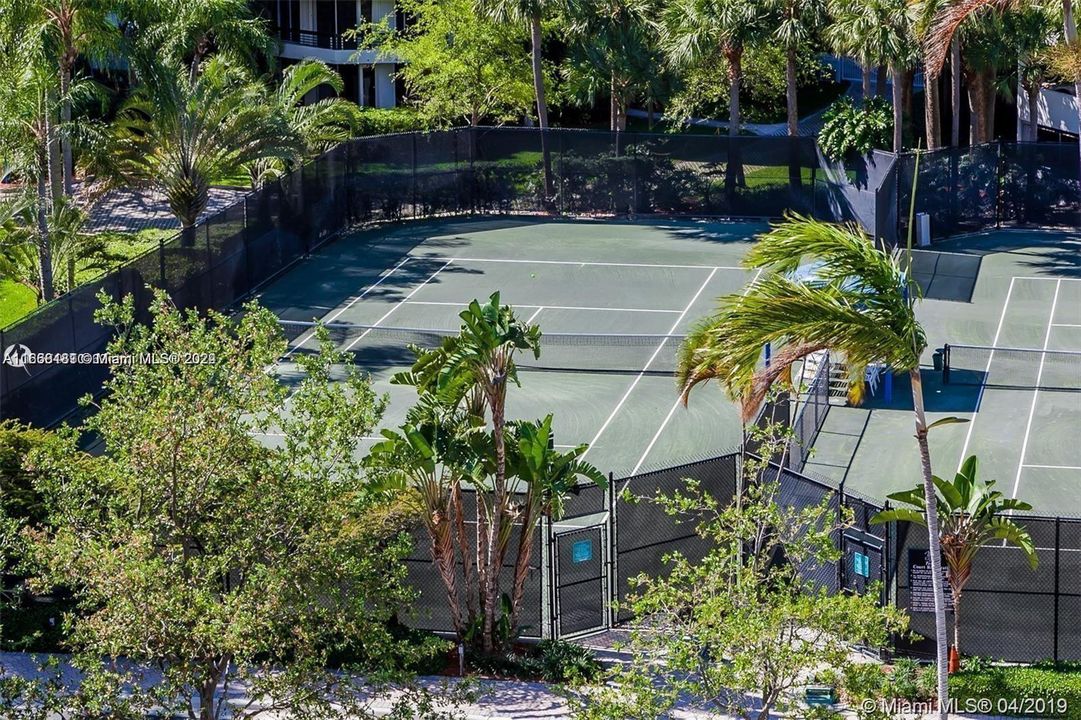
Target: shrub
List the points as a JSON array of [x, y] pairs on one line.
[[1008, 688], [566, 662], [850, 130], [382, 121]]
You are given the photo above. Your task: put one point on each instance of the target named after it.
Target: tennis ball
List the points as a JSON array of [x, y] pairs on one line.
[[532, 275]]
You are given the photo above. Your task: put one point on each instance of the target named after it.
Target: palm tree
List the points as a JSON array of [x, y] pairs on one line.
[[798, 23], [318, 125], [549, 475], [925, 11], [692, 30], [860, 306], [180, 136], [970, 515], [481, 357], [878, 32], [530, 12], [26, 129]]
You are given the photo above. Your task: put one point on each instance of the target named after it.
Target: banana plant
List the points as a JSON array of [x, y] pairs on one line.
[[971, 513]]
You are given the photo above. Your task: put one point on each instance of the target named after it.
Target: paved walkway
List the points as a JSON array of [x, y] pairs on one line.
[[132, 210]]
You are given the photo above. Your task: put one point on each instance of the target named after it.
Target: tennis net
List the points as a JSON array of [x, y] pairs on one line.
[[378, 347], [1011, 367]]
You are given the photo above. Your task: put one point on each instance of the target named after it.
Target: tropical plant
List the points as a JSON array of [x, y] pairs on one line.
[[878, 32], [849, 130], [971, 513], [694, 29], [798, 23], [181, 135], [615, 40], [531, 13], [861, 305], [456, 64], [317, 125]]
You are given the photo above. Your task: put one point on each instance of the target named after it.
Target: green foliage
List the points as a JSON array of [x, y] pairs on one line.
[[458, 65], [383, 121], [851, 130], [192, 548], [1007, 687], [738, 622], [553, 661]]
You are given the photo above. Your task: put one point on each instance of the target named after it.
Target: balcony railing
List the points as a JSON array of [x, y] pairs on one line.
[[311, 38]]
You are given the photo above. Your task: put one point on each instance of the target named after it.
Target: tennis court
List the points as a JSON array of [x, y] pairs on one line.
[[611, 300], [1008, 306]]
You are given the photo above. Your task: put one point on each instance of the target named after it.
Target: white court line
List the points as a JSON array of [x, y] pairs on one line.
[[590, 264], [552, 307], [1036, 390], [397, 305], [1065, 325], [535, 314], [308, 335], [1051, 277], [649, 362], [676, 404], [1054, 467], [986, 371]]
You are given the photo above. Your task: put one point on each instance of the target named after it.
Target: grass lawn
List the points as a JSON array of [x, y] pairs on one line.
[[16, 300]]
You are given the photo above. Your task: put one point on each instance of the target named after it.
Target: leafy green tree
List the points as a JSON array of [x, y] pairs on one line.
[[738, 631], [860, 306], [615, 43], [457, 63], [317, 125], [199, 553], [692, 30], [971, 513], [180, 135], [850, 130]]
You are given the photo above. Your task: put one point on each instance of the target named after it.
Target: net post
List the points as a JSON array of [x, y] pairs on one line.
[[613, 590], [946, 364], [1058, 544]]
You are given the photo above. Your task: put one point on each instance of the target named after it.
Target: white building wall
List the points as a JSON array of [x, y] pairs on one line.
[[1055, 109]]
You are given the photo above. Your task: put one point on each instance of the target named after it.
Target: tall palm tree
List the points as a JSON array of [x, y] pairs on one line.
[[878, 32], [530, 12], [183, 134], [692, 30], [797, 25], [616, 38], [970, 514], [860, 306], [925, 11], [482, 357], [318, 125], [26, 129]]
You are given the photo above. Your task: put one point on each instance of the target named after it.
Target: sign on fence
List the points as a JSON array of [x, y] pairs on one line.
[[922, 598]]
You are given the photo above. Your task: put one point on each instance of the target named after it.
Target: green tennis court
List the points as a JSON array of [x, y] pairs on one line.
[[629, 286], [1008, 303]]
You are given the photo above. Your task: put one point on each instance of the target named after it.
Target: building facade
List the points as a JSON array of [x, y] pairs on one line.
[[314, 29]]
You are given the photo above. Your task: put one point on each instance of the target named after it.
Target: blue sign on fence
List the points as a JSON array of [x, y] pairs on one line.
[[582, 551], [861, 564]]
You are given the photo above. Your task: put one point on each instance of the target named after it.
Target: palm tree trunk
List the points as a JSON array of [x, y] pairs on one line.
[[1033, 92], [495, 545], [521, 563], [1069, 22], [932, 112], [989, 98], [898, 110], [542, 105], [612, 103], [934, 550], [65, 119], [865, 82], [957, 621], [734, 55], [790, 92], [955, 91], [56, 172], [45, 260], [468, 578]]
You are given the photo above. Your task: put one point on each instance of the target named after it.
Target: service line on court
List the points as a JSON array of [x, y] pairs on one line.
[[397, 305], [551, 307], [1036, 390], [521, 261], [308, 335], [676, 404], [986, 370]]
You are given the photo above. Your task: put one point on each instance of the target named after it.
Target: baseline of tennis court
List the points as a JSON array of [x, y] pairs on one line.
[[624, 285], [1014, 371]]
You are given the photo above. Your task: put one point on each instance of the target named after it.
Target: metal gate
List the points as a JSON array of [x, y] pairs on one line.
[[581, 598]]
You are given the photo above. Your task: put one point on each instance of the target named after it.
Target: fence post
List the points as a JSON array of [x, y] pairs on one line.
[[998, 184], [562, 174], [613, 548], [553, 577], [1054, 653], [841, 537], [413, 137], [161, 263]]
